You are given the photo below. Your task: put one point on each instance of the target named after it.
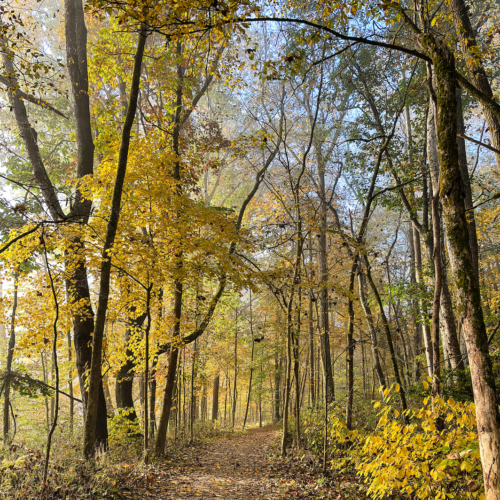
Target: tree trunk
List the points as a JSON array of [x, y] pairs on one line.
[[152, 401], [95, 379], [215, 399], [462, 160], [277, 386], [249, 385], [425, 327], [192, 399], [125, 376], [70, 385], [450, 337], [388, 335], [476, 69], [371, 329], [235, 393], [295, 352], [468, 294], [436, 226], [161, 434], [350, 345], [417, 338], [8, 365], [311, 350]]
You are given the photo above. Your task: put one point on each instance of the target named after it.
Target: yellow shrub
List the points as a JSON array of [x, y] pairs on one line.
[[435, 456], [419, 459]]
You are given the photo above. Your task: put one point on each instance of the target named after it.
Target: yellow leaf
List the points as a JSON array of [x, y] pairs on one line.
[[426, 385], [397, 388]]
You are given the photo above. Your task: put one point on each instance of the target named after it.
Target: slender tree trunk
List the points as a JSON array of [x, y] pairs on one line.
[[146, 370], [95, 381], [215, 399], [161, 434], [371, 330], [152, 401], [436, 225], [462, 160], [249, 385], [277, 386], [417, 338], [286, 395], [70, 385], [295, 340], [350, 345], [8, 365], [193, 402], [45, 379], [233, 411], [311, 350], [425, 327], [388, 335]]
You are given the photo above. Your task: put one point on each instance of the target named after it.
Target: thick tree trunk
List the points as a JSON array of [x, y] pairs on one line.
[[468, 294], [450, 336], [475, 66]]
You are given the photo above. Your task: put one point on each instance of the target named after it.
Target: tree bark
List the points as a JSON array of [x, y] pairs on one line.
[[95, 382], [371, 329], [350, 345], [311, 350], [125, 376], [388, 335], [235, 392], [468, 294], [425, 327], [215, 399], [462, 160], [450, 336], [8, 364], [478, 74], [436, 225]]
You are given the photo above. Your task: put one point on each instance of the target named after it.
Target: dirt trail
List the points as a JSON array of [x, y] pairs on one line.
[[229, 469]]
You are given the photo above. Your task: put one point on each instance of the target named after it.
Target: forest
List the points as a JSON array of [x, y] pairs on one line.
[[248, 249]]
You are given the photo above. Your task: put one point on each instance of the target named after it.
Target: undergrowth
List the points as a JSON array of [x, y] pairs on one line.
[[114, 473]]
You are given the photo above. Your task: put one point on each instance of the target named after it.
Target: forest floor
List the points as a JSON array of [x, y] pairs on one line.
[[243, 467]]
